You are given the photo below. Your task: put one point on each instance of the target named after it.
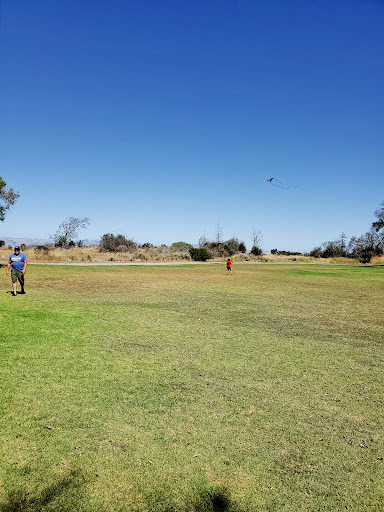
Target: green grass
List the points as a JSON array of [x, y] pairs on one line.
[[186, 389]]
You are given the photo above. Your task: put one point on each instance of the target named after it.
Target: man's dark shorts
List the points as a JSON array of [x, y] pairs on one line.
[[17, 275]]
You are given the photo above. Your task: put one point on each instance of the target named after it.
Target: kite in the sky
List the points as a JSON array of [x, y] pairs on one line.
[[280, 184]]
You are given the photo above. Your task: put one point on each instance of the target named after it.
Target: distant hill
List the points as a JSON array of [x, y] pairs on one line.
[[39, 241]]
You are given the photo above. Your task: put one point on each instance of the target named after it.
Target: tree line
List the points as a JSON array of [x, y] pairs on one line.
[[363, 247]]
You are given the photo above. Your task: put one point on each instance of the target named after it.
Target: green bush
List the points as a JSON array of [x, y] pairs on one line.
[[285, 253], [199, 254], [316, 252], [256, 251], [242, 248]]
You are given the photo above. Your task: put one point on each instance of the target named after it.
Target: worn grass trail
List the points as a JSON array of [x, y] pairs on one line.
[[186, 389]]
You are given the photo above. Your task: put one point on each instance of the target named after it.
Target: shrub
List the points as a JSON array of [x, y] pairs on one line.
[[256, 251], [199, 254], [112, 243], [242, 248], [366, 246], [219, 249], [225, 249], [180, 246], [61, 241], [332, 250], [216, 249], [42, 248], [122, 248], [316, 252], [231, 246], [285, 253]]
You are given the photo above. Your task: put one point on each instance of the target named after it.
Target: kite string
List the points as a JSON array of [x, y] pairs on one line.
[[279, 186], [282, 184]]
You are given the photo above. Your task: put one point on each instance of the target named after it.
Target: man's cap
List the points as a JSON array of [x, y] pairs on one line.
[[17, 248]]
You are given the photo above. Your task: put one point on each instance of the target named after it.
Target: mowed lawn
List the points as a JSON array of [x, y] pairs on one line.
[[181, 388]]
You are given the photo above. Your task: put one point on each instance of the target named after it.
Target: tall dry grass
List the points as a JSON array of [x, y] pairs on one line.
[[92, 254], [378, 260], [277, 258]]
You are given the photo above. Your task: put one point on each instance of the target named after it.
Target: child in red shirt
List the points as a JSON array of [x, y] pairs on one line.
[[229, 265]]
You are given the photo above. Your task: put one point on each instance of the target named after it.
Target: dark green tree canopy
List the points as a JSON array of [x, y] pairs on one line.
[[7, 199], [199, 254], [379, 214]]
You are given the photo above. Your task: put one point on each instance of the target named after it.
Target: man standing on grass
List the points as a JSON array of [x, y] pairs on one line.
[[18, 261]]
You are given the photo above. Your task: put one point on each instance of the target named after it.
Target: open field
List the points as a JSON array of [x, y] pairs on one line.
[[185, 389]]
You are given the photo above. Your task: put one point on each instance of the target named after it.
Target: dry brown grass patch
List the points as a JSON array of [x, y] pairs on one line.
[[92, 254]]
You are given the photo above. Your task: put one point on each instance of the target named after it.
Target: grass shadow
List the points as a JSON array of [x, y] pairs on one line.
[[214, 499], [203, 498], [64, 495]]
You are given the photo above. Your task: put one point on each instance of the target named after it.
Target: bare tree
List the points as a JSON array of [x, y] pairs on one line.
[[203, 240], [7, 198], [257, 237], [219, 233], [343, 241], [68, 230]]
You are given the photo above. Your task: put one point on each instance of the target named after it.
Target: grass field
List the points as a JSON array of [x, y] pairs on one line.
[[185, 389]]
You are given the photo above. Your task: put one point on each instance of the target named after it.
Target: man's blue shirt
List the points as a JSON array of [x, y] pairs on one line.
[[17, 260]]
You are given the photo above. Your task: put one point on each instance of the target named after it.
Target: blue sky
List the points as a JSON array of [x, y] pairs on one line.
[[162, 119]]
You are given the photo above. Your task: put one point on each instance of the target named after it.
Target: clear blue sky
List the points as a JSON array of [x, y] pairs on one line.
[[161, 119]]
